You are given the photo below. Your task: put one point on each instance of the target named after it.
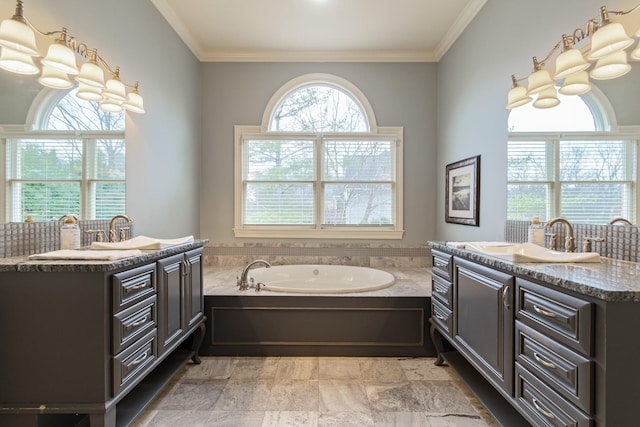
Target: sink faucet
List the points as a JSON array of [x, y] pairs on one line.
[[569, 246], [112, 224], [242, 280], [621, 220]]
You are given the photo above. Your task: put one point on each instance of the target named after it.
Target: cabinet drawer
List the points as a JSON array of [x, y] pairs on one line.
[[544, 407], [442, 264], [133, 285], [563, 317], [563, 370], [132, 323], [442, 290], [442, 316], [134, 362]]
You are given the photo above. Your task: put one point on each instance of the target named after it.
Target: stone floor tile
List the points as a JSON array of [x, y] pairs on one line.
[[297, 368], [233, 419], [290, 419], [400, 419], [255, 368], [211, 368], [344, 419], [192, 395], [442, 397], [244, 395], [173, 418], [423, 368], [392, 397], [339, 368], [343, 396], [455, 421], [294, 395], [382, 369]]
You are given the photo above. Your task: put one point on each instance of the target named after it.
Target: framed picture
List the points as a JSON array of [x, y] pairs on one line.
[[462, 197]]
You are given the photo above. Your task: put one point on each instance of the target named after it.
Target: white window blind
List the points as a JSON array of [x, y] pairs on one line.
[[585, 181]]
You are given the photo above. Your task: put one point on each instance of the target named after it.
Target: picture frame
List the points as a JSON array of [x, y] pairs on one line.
[[462, 193]]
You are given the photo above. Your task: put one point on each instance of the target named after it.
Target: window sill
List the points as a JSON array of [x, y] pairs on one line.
[[319, 234]]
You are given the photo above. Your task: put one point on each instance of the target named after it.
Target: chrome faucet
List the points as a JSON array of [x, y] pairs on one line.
[[241, 281], [112, 224], [569, 245], [621, 220]]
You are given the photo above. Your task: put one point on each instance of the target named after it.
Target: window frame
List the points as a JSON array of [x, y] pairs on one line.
[[631, 134], [317, 229]]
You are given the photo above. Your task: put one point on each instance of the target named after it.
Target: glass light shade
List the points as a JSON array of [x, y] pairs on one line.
[[62, 58], [17, 62], [89, 93], [111, 106], [115, 90], [576, 84], [611, 66], [517, 97], [18, 36], [54, 78], [568, 62], [91, 74], [547, 98], [539, 81], [608, 39], [635, 54], [134, 103]]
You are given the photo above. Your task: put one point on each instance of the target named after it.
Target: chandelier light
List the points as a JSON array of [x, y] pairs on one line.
[[18, 50], [602, 42]]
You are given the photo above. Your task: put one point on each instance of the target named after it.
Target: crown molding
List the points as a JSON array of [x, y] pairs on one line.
[[317, 56], [464, 18]]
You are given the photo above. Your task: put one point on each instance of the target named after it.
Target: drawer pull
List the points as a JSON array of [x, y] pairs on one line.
[[505, 297], [139, 322], [140, 359], [543, 311], [544, 361], [440, 265], [541, 409], [439, 291], [134, 287], [440, 317]]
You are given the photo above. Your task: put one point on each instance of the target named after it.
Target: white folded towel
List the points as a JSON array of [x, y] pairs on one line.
[[71, 254]]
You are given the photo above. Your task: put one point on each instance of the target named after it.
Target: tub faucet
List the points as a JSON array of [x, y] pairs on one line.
[[241, 281], [112, 225], [569, 246]]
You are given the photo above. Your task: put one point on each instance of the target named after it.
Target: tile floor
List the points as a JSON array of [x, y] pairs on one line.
[[315, 391]]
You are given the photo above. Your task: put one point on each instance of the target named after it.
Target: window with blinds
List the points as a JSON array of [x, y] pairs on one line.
[[319, 169], [75, 164], [586, 181]]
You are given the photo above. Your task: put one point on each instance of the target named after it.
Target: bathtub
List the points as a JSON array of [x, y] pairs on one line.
[[321, 279]]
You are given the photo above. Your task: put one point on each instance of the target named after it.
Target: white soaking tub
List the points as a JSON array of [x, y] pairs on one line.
[[320, 279]]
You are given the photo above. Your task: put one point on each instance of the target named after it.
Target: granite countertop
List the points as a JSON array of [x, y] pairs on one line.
[[24, 264], [609, 280]]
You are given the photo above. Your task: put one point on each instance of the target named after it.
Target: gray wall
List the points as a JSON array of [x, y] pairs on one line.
[[402, 94], [474, 78], [163, 145]]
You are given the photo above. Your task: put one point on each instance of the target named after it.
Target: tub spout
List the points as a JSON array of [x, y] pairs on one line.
[[242, 280]]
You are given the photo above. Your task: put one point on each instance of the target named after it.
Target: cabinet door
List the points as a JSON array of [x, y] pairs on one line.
[[193, 287], [483, 320], [171, 315]]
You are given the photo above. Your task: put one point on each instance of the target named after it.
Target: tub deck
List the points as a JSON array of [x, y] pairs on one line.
[[410, 282], [386, 322]]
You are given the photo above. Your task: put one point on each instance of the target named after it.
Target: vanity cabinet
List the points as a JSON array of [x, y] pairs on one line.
[[180, 297], [96, 340], [483, 320], [533, 351]]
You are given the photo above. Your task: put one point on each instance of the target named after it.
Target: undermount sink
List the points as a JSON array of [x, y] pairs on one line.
[[528, 252], [142, 242]]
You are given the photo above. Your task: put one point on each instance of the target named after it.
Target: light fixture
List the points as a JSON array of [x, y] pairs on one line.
[[547, 98], [608, 38], [611, 66], [54, 78], [601, 41], [540, 79], [89, 93], [18, 48], [134, 101], [517, 95], [569, 61], [17, 62], [576, 84]]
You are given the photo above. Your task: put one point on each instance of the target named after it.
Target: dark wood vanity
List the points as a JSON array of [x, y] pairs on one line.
[[96, 339]]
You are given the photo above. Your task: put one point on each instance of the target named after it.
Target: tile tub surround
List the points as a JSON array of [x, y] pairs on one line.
[[363, 255], [315, 391]]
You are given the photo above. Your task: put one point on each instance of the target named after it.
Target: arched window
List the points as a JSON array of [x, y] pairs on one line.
[[72, 162], [318, 166], [565, 161]]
